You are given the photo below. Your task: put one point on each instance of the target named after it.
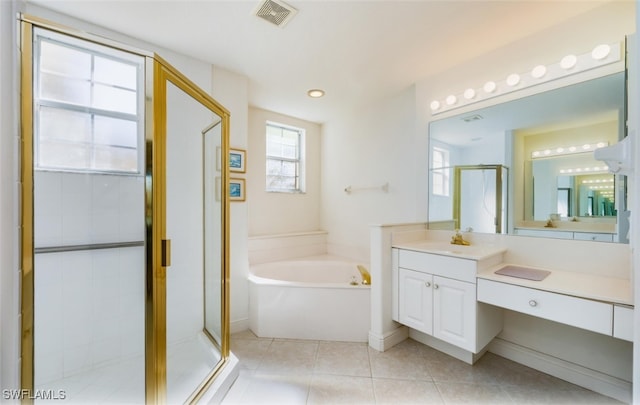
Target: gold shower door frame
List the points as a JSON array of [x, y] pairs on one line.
[[457, 192], [157, 248]]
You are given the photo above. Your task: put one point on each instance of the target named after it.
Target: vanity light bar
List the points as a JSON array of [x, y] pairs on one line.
[[567, 150], [585, 170], [601, 55], [598, 181]]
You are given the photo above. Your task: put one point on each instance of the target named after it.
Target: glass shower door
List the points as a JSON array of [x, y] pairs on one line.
[[194, 224]]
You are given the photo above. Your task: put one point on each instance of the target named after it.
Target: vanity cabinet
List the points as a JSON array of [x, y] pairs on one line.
[[436, 295], [582, 313]]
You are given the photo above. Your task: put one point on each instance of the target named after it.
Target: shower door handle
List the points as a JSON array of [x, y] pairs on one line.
[[166, 252]]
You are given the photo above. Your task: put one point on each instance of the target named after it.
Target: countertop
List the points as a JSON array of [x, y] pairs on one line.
[[473, 252], [600, 288]]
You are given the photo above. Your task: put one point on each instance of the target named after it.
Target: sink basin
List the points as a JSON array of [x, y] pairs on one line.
[[476, 252]]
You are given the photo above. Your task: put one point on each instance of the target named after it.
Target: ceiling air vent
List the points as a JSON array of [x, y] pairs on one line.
[[275, 11]]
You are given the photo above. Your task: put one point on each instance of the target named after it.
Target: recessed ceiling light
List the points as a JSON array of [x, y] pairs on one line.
[[315, 93]]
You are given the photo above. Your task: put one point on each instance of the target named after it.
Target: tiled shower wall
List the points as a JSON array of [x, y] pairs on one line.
[[89, 305]]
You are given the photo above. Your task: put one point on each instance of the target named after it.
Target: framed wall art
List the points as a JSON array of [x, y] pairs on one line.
[[237, 160]]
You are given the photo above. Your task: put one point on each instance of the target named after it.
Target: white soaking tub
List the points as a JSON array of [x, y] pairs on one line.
[[309, 298]]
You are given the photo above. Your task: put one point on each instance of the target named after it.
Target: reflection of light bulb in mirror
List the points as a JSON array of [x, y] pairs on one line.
[[568, 61], [490, 87], [539, 71], [435, 105]]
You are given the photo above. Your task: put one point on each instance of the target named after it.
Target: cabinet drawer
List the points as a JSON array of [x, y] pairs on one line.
[[579, 312], [599, 237], [623, 322], [451, 267], [544, 233]]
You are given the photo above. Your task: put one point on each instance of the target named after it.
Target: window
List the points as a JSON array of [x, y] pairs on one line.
[[440, 171], [88, 106], [285, 158]]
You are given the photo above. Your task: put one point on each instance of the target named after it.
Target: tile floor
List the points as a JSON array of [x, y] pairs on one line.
[[279, 371]]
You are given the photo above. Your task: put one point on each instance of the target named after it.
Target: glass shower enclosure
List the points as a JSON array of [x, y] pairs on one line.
[[124, 223], [480, 198]]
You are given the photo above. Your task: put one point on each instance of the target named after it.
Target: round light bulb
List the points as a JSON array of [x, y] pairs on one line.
[[600, 52], [586, 146], [513, 79], [451, 100], [469, 94], [490, 87], [435, 105], [315, 93], [560, 150], [572, 149], [539, 71], [536, 154], [568, 62], [601, 145], [547, 152]]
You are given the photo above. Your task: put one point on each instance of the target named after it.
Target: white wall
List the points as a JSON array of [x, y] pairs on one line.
[[9, 220], [231, 90], [368, 148], [279, 213]]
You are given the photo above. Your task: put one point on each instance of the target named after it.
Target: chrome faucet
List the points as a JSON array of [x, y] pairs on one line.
[[366, 277], [457, 239]]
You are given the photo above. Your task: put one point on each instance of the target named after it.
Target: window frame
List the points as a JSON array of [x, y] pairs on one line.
[[300, 161], [94, 50]]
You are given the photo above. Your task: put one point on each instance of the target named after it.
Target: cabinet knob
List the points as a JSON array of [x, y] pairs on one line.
[[435, 286], [533, 303], [428, 284]]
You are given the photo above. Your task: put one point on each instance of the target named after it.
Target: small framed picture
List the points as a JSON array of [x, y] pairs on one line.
[[236, 190], [237, 160]]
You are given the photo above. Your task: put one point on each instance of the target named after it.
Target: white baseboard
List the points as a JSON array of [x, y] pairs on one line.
[[593, 380], [389, 339], [239, 325]]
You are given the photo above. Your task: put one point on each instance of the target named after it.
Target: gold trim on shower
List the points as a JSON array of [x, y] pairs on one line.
[[157, 73], [26, 225], [457, 192]]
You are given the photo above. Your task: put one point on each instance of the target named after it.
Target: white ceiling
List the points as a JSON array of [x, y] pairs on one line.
[[356, 50]]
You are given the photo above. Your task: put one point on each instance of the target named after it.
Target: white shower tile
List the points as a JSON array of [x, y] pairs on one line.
[[105, 227], [76, 359], [105, 194], [47, 193], [49, 367], [131, 227], [47, 230], [77, 267], [77, 334], [105, 350], [76, 229], [47, 269]]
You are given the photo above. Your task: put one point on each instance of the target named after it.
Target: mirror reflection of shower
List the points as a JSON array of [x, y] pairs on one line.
[[480, 194]]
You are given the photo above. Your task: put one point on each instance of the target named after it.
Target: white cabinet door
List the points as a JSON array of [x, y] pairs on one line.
[[454, 312], [415, 300]]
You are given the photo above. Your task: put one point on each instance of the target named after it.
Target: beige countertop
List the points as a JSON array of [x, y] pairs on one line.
[[600, 288]]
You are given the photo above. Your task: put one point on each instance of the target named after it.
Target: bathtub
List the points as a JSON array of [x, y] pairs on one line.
[[310, 298]]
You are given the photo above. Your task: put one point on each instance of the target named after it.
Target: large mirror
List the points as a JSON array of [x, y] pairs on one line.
[[554, 186]]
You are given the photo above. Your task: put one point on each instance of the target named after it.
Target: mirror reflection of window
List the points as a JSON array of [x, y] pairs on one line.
[[441, 172], [564, 202]]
